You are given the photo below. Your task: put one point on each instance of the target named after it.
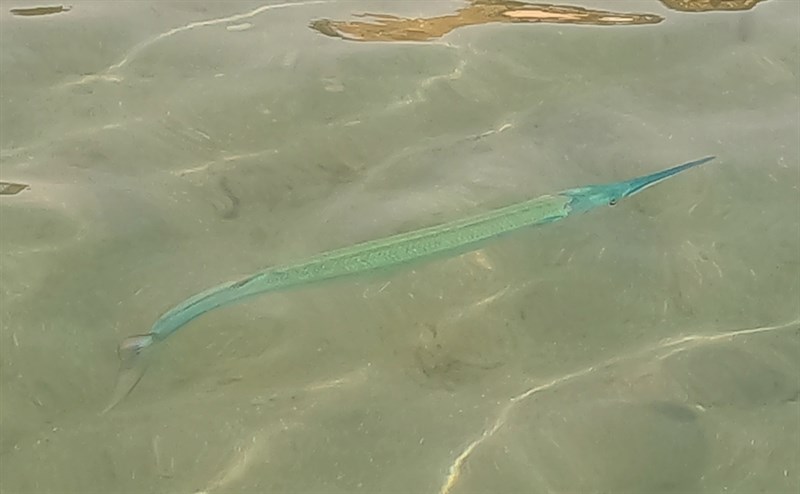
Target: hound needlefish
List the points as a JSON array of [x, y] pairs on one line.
[[455, 237]]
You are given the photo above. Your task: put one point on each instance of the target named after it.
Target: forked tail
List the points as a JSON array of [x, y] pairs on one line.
[[134, 353]]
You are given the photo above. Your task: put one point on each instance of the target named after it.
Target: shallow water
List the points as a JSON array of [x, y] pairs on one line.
[[652, 347]]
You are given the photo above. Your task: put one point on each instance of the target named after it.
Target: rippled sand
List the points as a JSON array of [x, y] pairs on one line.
[[652, 347]]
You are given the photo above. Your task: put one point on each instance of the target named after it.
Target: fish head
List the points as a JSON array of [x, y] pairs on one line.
[[583, 199], [593, 196]]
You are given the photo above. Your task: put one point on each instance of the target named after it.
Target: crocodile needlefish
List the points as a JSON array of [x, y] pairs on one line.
[[452, 238]]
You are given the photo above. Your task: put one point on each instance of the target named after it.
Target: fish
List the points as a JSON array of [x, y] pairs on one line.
[[446, 239]]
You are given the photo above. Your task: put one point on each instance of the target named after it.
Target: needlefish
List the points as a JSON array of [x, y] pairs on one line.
[[452, 238]]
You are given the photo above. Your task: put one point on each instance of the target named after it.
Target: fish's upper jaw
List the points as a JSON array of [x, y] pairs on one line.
[[636, 185]]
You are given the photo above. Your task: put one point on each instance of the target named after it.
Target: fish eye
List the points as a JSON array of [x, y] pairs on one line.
[[612, 202]]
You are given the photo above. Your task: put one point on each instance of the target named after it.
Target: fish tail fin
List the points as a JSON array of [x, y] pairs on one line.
[[134, 353]]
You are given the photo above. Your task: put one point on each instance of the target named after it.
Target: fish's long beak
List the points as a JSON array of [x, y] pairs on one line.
[[639, 184], [134, 355]]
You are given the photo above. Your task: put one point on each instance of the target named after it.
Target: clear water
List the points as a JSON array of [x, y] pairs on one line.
[[653, 347]]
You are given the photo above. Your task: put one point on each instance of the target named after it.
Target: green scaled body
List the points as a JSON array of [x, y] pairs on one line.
[[456, 237]]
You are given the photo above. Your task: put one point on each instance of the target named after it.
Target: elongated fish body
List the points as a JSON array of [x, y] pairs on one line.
[[451, 238]]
